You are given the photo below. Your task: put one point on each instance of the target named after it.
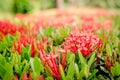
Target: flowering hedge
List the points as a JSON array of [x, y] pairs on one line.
[[72, 44]]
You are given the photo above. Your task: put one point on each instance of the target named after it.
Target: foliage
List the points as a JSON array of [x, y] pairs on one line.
[[21, 6], [92, 51]]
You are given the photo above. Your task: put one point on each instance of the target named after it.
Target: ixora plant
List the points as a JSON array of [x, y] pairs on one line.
[[63, 45]]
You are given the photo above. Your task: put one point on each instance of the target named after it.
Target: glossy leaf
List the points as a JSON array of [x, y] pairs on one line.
[[91, 60], [108, 50], [70, 71], [115, 70], [62, 72], [26, 52], [37, 66]]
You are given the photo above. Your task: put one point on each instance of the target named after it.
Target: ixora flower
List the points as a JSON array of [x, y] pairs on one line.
[[24, 41], [50, 60], [91, 26], [84, 41], [6, 27], [94, 26], [52, 63]]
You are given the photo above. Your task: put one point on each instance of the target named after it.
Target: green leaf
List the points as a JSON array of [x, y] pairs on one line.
[[8, 40], [17, 68], [16, 62], [93, 74], [82, 59], [84, 67], [15, 58], [48, 31], [115, 70], [2, 60], [26, 52], [64, 32], [91, 60], [62, 72], [37, 66], [70, 58], [70, 71], [9, 72], [49, 78], [25, 65], [2, 46], [2, 70], [81, 73], [108, 50], [84, 71], [100, 77], [76, 70], [58, 40], [6, 69]]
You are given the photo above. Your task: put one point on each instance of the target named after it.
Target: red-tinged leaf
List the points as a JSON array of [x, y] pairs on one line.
[[63, 60], [24, 76], [15, 78], [41, 77]]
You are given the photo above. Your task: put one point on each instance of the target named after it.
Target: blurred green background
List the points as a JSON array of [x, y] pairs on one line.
[[25, 6]]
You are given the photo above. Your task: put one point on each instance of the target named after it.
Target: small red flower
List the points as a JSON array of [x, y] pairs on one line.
[[91, 26], [86, 17], [7, 28], [50, 60], [42, 55], [84, 41], [24, 41], [109, 63]]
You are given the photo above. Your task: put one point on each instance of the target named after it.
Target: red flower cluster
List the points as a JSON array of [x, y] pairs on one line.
[[94, 26], [107, 25], [51, 62], [24, 41], [84, 41], [53, 66], [60, 18], [91, 26], [6, 27], [61, 21]]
